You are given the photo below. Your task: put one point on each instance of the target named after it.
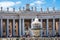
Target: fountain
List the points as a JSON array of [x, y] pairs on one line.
[[35, 30]]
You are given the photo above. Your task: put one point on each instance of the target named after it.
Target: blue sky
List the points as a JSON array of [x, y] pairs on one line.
[[33, 3]]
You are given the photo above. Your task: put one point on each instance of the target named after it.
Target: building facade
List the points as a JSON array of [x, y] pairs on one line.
[[16, 24]]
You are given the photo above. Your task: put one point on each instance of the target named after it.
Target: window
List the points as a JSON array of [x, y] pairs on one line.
[[15, 30], [9, 26], [15, 26]]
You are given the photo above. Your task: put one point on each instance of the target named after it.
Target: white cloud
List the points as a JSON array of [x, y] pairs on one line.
[[8, 3], [18, 2], [37, 3]]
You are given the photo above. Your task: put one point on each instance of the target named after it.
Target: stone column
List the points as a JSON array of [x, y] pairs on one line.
[[59, 27], [31, 22], [13, 27], [7, 27], [47, 28], [31, 33], [53, 32], [19, 27], [23, 27], [1, 27], [41, 28]]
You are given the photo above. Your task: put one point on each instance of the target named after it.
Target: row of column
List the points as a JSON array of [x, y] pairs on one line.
[[59, 27], [22, 29], [47, 25], [7, 28], [53, 28]]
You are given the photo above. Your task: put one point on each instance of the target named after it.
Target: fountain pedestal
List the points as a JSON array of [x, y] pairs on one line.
[[36, 28], [36, 33]]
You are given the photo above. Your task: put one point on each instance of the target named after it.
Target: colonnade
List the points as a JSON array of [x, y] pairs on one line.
[[21, 28]]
